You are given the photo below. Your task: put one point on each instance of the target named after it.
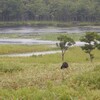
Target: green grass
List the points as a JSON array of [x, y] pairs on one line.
[[91, 79], [40, 78], [34, 23], [8, 49], [45, 23], [43, 36], [74, 36], [9, 67]]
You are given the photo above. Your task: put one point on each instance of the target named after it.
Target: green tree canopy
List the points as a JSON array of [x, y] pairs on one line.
[[64, 44], [92, 41], [58, 10]]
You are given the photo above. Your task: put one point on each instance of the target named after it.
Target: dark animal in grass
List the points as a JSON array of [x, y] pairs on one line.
[[64, 65]]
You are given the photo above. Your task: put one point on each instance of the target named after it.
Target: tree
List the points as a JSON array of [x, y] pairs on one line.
[[10, 10], [98, 42], [92, 41], [64, 44], [57, 10]]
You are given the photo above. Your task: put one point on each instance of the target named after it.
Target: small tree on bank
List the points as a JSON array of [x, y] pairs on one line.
[[92, 41], [64, 44], [98, 43]]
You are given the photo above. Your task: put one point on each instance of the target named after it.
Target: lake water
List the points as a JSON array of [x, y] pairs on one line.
[[25, 30], [31, 54], [41, 30], [26, 41]]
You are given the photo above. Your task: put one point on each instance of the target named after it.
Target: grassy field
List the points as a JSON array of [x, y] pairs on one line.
[[9, 49], [40, 78], [74, 36], [45, 23], [43, 36]]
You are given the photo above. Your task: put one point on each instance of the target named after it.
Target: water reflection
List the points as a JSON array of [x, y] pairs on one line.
[[26, 41]]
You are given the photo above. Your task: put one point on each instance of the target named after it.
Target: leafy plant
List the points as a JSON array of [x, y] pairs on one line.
[[64, 44], [92, 41]]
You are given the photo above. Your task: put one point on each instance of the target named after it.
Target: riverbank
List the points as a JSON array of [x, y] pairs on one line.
[[46, 23], [25, 48], [31, 54], [30, 50]]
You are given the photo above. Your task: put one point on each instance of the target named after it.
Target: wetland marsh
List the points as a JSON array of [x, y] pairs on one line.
[[39, 77]]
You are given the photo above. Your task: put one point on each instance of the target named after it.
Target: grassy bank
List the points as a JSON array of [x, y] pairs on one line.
[[9, 49], [40, 78], [43, 36], [46, 23], [74, 36]]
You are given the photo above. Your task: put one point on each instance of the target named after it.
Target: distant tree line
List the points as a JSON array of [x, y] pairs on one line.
[[50, 10]]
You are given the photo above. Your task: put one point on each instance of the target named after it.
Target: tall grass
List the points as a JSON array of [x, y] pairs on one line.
[[91, 79], [41, 78]]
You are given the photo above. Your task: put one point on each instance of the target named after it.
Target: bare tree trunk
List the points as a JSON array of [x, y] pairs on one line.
[[91, 57], [62, 55]]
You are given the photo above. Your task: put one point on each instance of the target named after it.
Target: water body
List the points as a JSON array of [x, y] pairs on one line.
[[30, 54], [40, 30], [26, 41], [27, 30], [33, 42]]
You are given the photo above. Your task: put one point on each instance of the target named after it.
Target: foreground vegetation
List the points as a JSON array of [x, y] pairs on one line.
[[40, 78]]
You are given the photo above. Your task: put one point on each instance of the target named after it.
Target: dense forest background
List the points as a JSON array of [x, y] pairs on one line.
[[55, 10]]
